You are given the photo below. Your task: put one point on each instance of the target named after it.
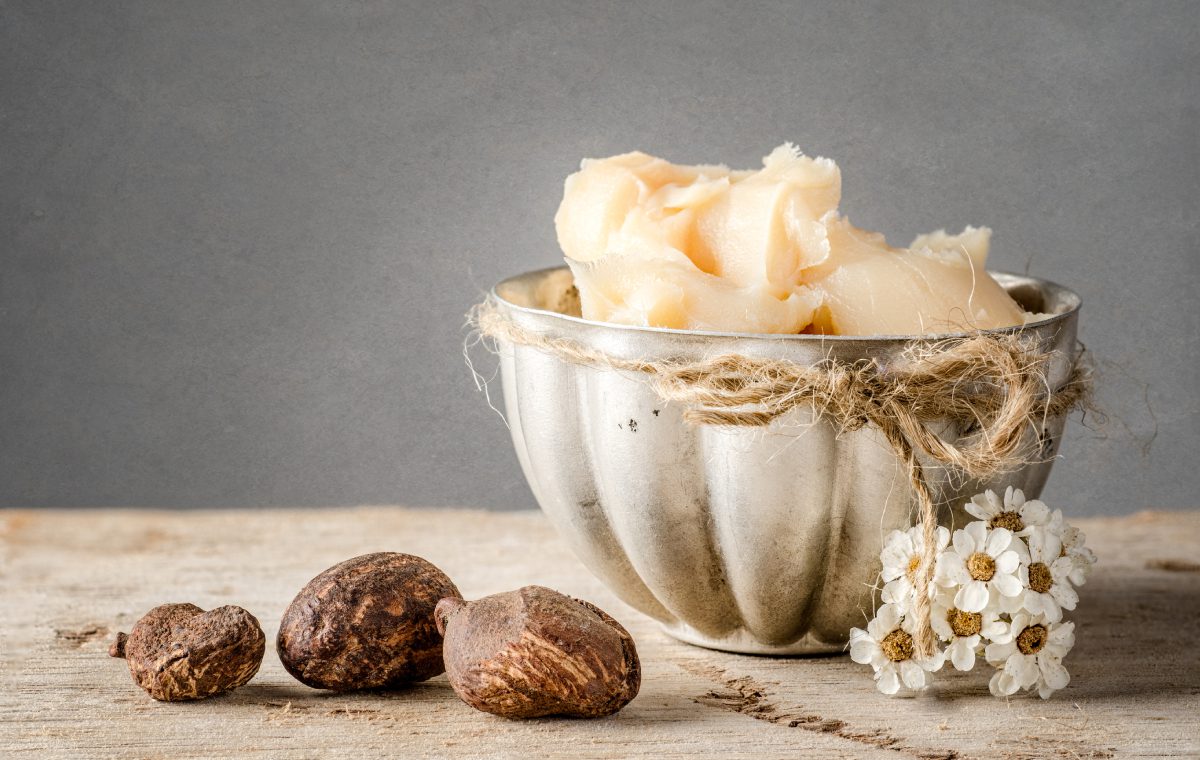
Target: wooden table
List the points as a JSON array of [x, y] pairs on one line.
[[70, 579]]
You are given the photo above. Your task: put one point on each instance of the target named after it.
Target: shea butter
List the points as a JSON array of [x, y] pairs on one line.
[[656, 244]]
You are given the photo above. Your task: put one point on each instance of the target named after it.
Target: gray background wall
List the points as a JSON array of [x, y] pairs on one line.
[[239, 238]]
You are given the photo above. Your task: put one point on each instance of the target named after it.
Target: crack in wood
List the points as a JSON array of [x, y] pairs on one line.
[[1032, 746], [352, 713], [751, 698], [77, 637], [1173, 565]]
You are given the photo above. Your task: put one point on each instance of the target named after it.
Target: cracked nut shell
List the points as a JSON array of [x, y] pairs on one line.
[[535, 652], [366, 623], [179, 652]]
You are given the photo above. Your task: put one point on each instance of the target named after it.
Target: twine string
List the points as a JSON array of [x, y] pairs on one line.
[[993, 385]]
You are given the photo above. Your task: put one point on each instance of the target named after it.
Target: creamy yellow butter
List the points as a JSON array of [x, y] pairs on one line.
[[656, 244]]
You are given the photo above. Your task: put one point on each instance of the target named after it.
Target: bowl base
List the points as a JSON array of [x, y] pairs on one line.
[[741, 642]]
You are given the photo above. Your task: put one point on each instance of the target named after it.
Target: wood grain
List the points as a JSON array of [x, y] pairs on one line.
[[69, 580]]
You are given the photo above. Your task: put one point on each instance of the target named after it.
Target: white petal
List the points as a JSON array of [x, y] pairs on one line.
[[1034, 604], [863, 650], [1015, 665], [1027, 669], [895, 555], [1007, 562], [943, 538], [993, 501], [1018, 546], [1050, 608], [877, 629], [888, 616], [1063, 636], [1001, 636], [887, 680], [940, 625], [1014, 497], [912, 674], [962, 653], [1080, 540], [998, 541], [950, 570], [1055, 675], [934, 662], [1056, 519], [976, 511], [1062, 567], [1000, 651], [979, 512], [972, 597], [1011, 604], [897, 592], [1044, 545], [1036, 540], [994, 630], [1035, 513], [978, 533], [1008, 684], [1053, 545], [1007, 584], [1064, 595], [994, 685], [980, 502], [964, 544], [993, 605]]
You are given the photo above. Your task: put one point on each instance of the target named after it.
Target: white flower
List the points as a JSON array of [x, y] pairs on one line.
[[963, 631], [1082, 558], [901, 557], [1030, 656], [1014, 512], [1045, 578], [887, 646], [1073, 546], [981, 561]]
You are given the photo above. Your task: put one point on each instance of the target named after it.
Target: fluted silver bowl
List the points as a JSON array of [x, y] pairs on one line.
[[757, 540]]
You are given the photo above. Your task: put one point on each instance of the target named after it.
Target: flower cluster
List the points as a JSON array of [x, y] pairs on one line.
[[999, 589]]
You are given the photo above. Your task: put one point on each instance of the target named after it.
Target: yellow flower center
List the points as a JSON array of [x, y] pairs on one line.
[[1009, 520], [897, 645], [1032, 639], [911, 572], [981, 566], [1040, 578], [964, 623]]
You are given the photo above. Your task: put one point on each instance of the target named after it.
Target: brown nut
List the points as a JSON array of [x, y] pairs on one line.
[[366, 623], [535, 652], [179, 652]]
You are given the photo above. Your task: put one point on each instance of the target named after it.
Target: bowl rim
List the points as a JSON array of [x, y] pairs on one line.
[[1004, 278]]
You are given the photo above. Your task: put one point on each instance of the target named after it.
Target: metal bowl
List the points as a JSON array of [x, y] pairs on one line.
[[755, 540]]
